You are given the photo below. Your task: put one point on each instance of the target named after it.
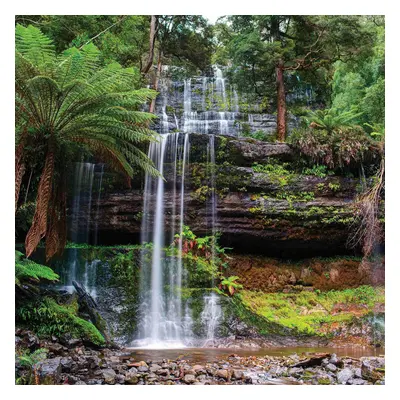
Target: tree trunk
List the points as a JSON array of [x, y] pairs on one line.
[[281, 103], [19, 168], [38, 228], [150, 58], [156, 81]]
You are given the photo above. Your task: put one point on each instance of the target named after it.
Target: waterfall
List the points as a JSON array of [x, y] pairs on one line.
[[212, 312], [162, 321], [165, 319], [200, 94], [96, 224]]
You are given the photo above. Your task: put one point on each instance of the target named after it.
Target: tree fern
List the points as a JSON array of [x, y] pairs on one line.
[[70, 100]]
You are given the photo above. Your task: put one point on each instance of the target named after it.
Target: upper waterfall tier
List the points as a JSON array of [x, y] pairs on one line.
[[211, 105]]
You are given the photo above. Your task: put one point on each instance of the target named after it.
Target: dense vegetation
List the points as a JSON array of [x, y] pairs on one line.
[[86, 88]]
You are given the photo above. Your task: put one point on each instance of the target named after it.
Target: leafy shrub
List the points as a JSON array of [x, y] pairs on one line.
[[28, 270], [276, 171], [202, 256], [335, 149], [317, 170], [27, 361], [230, 285], [46, 317]]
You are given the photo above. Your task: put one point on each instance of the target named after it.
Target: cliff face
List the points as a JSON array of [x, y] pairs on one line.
[[274, 212]]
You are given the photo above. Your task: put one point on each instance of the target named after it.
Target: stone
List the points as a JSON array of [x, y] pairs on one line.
[[331, 367], [237, 374], [143, 368], [66, 364], [120, 378], [199, 369], [189, 378], [109, 376], [372, 370], [80, 383], [131, 378], [223, 373], [344, 375], [357, 381], [155, 367], [162, 372], [296, 371], [49, 371]]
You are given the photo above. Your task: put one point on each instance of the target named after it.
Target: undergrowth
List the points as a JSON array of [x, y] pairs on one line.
[[306, 311]]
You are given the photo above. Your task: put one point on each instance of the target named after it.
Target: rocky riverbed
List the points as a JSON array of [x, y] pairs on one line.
[[71, 362]]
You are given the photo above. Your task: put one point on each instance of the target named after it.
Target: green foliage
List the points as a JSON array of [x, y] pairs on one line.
[[334, 186], [28, 361], [230, 285], [317, 170], [331, 119], [276, 171], [202, 256], [46, 317], [308, 312], [84, 103], [335, 149], [28, 271]]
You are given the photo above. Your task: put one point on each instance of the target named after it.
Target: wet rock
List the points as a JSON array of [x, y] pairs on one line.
[[357, 373], [278, 370], [162, 372], [236, 374], [49, 371], [109, 376], [56, 348], [357, 381], [199, 369], [80, 383], [344, 375], [94, 382], [372, 369], [66, 364], [119, 378], [331, 367], [131, 378], [143, 368], [223, 373], [155, 367], [296, 371], [189, 378]]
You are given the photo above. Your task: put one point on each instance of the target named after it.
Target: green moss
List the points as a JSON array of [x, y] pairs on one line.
[[26, 270], [306, 312], [48, 318], [324, 381]]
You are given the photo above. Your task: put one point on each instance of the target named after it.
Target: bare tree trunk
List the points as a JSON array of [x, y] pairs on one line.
[[19, 173], [281, 103], [19, 169], [149, 63], [28, 186], [156, 81]]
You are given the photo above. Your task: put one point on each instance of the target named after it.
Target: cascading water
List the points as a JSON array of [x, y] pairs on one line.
[[212, 312], [163, 323], [82, 228], [166, 320]]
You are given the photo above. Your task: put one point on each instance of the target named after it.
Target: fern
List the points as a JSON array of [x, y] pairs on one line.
[[71, 101], [27, 270]]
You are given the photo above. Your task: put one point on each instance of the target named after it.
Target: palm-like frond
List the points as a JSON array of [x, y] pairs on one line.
[[331, 119], [71, 99]]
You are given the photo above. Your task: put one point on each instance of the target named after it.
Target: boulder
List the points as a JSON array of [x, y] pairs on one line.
[[49, 371], [344, 375], [109, 376], [189, 378]]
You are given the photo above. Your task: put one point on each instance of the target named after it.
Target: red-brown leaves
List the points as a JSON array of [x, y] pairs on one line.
[[39, 224]]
